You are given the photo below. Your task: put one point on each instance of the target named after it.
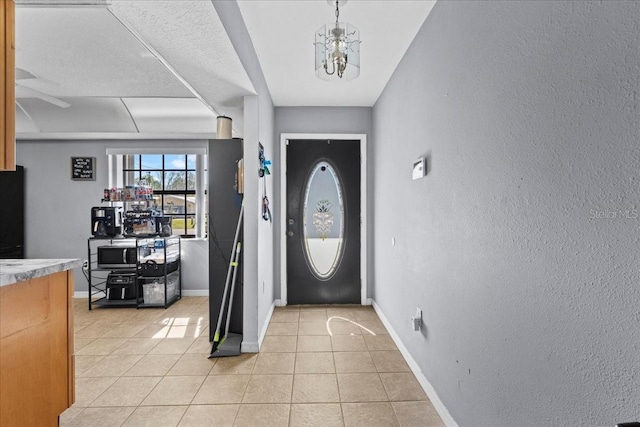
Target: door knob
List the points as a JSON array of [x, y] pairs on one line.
[[290, 233]]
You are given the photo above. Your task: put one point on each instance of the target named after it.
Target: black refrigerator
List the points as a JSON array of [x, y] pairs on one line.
[[12, 214]]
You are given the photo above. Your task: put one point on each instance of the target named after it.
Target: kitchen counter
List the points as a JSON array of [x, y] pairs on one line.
[[37, 363], [20, 270]]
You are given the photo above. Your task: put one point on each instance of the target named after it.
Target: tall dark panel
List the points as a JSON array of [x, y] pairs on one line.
[[12, 214], [224, 209]]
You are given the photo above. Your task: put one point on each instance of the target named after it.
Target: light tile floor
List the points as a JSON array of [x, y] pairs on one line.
[[149, 367]]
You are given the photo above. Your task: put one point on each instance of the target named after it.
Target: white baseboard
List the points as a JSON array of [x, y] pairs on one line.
[[185, 293], [369, 301], [263, 333], [415, 368], [278, 303], [249, 347], [195, 292], [254, 347]]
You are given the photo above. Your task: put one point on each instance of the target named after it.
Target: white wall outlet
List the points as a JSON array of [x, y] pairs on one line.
[[85, 264]]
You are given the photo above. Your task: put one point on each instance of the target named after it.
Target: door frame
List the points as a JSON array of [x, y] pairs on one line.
[[284, 138]]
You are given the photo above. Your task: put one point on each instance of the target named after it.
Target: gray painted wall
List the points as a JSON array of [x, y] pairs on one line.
[[521, 244], [258, 234], [58, 210], [356, 120]]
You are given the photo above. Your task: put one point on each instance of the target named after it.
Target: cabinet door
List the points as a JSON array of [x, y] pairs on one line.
[[7, 86], [36, 351]]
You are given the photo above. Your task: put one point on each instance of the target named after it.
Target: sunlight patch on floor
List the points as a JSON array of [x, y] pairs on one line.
[[348, 320], [176, 327]]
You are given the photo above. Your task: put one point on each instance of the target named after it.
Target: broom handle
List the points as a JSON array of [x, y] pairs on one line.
[[233, 286], [226, 282]]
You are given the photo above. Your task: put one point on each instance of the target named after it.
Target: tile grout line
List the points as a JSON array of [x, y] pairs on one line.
[[252, 372], [333, 354]]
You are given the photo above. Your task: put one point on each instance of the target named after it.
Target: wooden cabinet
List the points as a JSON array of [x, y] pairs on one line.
[[7, 86], [36, 350]]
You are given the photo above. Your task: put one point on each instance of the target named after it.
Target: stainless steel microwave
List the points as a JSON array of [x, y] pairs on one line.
[[117, 257]]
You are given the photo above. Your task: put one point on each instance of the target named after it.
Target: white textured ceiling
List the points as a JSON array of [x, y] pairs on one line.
[[190, 36], [130, 49], [107, 56], [87, 52], [283, 34]]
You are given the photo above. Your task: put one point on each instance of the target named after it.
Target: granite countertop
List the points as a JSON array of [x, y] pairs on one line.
[[20, 270]]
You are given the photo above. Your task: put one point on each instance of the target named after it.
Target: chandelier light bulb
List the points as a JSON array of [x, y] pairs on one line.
[[337, 50]]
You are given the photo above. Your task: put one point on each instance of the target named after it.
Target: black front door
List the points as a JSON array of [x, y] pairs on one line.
[[323, 222]]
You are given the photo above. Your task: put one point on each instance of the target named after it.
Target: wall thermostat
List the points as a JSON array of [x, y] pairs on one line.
[[419, 169]]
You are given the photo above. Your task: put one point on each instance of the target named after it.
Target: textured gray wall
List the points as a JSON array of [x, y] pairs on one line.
[[356, 120], [521, 244], [58, 210]]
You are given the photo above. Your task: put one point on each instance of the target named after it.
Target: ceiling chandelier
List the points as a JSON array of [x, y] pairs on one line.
[[337, 49]]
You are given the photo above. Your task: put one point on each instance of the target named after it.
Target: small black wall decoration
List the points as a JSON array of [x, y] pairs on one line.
[[83, 168]]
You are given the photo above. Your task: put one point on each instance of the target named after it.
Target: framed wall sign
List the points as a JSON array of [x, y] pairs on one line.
[[83, 168]]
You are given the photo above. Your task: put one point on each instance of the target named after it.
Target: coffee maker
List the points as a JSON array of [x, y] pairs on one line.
[[163, 226], [139, 223], [106, 221]]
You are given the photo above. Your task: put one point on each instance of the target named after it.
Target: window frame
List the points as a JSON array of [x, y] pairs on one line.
[[133, 164], [117, 178]]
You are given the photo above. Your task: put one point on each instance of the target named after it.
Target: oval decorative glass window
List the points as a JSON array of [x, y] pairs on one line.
[[323, 228]]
